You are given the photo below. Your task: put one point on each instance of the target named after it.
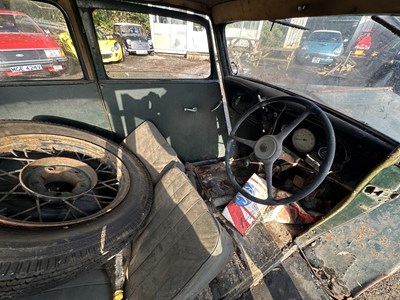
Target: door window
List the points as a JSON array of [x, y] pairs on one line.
[[138, 45], [35, 43]]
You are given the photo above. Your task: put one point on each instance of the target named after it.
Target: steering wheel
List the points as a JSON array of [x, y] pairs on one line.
[[268, 148]]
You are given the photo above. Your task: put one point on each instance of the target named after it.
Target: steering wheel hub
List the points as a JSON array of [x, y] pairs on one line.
[[266, 148]]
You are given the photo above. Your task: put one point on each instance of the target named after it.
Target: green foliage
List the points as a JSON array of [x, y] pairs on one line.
[[273, 35], [36, 10], [105, 19]]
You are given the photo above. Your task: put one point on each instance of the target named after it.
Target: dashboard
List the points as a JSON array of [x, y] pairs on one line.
[[357, 150]]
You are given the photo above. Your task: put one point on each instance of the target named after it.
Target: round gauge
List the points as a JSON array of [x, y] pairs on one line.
[[323, 152], [303, 140]]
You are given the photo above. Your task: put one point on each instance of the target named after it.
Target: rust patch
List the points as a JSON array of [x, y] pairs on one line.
[[329, 236]]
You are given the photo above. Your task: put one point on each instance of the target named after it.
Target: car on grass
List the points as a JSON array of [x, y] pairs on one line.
[[181, 176], [134, 38], [26, 50], [321, 47]]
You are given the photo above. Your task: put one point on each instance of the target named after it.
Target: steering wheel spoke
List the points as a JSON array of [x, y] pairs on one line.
[[268, 148], [246, 142], [285, 132], [268, 169]]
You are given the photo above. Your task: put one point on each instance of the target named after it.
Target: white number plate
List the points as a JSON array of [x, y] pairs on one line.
[[26, 68], [315, 60], [141, 51]]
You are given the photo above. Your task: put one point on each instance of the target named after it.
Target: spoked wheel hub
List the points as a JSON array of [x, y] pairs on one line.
[[48, 181], [57, 178]]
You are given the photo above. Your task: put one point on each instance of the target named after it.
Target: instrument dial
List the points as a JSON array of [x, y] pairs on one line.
[[303, 140]]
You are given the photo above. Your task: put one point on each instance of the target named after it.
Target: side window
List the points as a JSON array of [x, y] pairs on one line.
[[139, 45], [35, 43]]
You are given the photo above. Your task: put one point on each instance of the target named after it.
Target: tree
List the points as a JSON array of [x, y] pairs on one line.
[[272, 35], [106, 18]]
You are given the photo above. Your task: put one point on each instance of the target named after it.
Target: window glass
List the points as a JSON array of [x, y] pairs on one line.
[[35, 43], [350, 63], [147, 46]]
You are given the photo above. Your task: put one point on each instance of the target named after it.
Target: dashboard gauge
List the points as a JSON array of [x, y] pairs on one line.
[[323, 152], [303, 140]]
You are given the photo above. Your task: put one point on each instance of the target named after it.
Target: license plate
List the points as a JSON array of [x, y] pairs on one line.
[[141, 51], [29, 68], [315, 60]]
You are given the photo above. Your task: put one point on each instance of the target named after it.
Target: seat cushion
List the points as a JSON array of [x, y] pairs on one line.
[[152, 149], [183, 247]]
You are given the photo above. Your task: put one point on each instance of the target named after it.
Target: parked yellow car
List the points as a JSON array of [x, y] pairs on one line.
[[111, 50]]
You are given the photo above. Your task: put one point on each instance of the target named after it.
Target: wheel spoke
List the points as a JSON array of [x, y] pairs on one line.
[[246, 142], [285, 132], [28, 217], [105, 172], [16, 159], [95, 198], [54, 201], [99, 166], [69, 211], [100, 196], [9, 174], [77, 155], [49, 152], [10, 192], [28, 210], [74, 207], [268, 167], [106, 185], [59, 153]]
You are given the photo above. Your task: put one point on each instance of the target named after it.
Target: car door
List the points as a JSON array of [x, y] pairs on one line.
[[177, 88], [40, 77]]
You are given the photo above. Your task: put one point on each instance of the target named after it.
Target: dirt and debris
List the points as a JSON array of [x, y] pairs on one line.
[[160, 66]]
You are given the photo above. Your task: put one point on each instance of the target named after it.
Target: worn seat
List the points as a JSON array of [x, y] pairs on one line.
[[183, 247], [152, 149]]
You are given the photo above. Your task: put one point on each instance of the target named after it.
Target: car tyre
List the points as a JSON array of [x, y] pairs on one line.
[[37, 254]]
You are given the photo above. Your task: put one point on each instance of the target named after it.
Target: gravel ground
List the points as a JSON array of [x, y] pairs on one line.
[[160, 66], [384, 290]]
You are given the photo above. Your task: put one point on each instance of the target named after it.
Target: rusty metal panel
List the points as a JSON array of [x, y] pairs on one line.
[[380, 186], [348, 258]]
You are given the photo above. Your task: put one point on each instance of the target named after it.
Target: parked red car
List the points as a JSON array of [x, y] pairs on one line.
[[363, 43], [26, 50]]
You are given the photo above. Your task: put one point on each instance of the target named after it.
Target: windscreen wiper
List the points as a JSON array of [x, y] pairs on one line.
[[286, 23], [389, 23]]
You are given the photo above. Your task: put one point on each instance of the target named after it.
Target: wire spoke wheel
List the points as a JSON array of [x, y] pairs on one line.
[[56, 183], [69, 201]]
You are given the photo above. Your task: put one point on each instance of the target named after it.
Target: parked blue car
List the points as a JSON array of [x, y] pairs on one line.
[[321, 47]]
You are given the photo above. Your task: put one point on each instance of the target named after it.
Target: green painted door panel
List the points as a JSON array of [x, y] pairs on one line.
[[351, 257], [77, 102], [382, 185], [195, 135], [359, 243]]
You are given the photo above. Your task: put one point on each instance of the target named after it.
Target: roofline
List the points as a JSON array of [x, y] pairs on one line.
[[226, 11]]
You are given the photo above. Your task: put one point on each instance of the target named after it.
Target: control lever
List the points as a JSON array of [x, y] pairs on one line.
[[194, 109]]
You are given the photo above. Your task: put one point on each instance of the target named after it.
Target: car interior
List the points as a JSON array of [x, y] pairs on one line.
[[116, 178]]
